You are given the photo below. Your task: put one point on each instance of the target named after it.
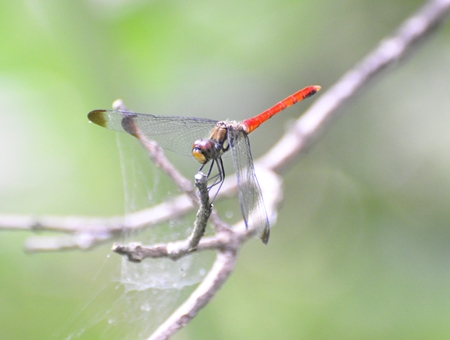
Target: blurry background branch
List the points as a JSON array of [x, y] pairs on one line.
[[388, 53]]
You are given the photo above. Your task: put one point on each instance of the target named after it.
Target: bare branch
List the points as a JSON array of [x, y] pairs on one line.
[[87, 232], [137, 252]]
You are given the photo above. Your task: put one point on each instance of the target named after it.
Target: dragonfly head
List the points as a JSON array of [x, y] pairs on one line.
[[204, 150]]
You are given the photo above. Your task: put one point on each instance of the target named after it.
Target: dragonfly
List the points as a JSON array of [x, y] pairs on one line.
[[180, 134]]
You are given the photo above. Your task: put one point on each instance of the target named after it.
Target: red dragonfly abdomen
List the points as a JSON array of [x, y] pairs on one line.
[[252, 123]]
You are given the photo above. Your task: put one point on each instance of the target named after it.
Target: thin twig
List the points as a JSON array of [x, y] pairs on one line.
[[137, 252], [204, 211]]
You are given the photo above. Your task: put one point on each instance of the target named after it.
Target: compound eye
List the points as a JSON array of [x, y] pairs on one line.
[[202, 150]]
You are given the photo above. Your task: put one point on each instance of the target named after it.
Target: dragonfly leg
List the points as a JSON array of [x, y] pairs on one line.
[[201, 168], [210, 169], [215, 179], [208, 176], [220, 177]]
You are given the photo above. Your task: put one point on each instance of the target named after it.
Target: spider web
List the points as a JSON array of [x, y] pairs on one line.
[[146, 293], [155, 287]]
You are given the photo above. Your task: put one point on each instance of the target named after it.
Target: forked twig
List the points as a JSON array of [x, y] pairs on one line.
[[135, 252]]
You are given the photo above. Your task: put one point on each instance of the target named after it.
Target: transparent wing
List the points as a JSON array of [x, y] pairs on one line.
[[249, 192], [174, 133]]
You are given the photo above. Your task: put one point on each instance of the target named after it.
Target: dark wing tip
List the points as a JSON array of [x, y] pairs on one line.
[[97, 117], [265, 235]]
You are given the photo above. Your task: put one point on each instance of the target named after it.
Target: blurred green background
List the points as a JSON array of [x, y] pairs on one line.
[[362, 244]]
